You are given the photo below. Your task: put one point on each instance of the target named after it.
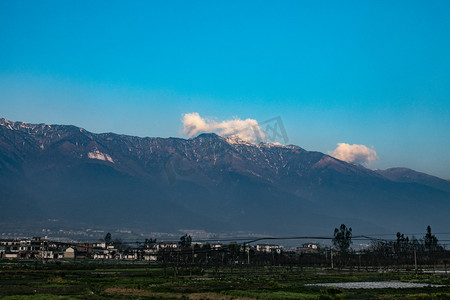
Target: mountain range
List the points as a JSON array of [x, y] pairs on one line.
[[210, 182]]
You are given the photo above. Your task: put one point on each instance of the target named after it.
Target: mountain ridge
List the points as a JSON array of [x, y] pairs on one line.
[[221, 183]]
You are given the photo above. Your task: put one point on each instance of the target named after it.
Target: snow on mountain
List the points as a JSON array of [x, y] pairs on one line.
[[209, 182], [100, 156]]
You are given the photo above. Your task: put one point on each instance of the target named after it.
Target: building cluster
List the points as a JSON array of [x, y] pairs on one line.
[[42, 248], [38, 248]]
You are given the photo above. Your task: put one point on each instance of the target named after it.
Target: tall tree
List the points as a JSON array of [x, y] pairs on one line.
[[401, 246], [149, 243], [185, 241], [430, 240], [108, 238], [342, 238]]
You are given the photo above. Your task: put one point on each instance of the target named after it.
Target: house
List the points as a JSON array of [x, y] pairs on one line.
[[69, 253], [129, 256], [216, 246], [101, 245], [313, 246], [148, 254], [10, 255], [36, 244], [268, 248], [161, 246], [308, 248], [100, 255], [46, 254], [12, 246], [84, 250]]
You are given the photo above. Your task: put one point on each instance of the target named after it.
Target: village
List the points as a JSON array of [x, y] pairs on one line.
[[148, 250]]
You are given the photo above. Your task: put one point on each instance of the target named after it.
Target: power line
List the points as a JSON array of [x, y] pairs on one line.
[[249, 240]]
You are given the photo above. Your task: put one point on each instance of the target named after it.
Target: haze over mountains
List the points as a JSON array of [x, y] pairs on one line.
[[213, 183]]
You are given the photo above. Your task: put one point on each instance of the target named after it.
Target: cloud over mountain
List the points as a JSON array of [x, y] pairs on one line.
[[354, 153], [247, 129]]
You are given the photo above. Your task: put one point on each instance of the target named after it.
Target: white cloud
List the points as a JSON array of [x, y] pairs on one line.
[[247, 129], [354, 153]]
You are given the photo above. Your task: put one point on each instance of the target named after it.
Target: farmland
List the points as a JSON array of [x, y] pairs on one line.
[[127, 280]]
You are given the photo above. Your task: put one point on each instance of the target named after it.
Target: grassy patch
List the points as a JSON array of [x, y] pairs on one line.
[[91, 280]]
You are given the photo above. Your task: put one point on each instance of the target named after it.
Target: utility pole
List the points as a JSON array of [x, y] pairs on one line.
[[415, 258], [331, 257], [359, 258], [248, 253]]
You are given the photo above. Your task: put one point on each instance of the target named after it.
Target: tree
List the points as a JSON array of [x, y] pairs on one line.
[[185, 241], [149, 243], [108, 238], [430, 240], [401, 246], [120, 245], [342, 238], [234, 250]]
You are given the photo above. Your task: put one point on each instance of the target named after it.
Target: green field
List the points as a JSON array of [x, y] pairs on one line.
[[97, 280]]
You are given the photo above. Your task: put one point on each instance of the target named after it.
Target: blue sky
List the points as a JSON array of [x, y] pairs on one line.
[[375, 73]]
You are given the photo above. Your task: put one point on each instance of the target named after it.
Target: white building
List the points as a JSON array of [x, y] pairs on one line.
[[69, 253], [269, 248]]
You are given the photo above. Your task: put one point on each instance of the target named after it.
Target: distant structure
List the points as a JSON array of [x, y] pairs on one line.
[[69, 253], [268, 248], [308, 248]]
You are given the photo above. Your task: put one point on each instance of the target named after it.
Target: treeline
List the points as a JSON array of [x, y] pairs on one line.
[[403, 253]]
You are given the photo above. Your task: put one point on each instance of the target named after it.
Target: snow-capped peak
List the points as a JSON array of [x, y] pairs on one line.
[[235, 139], [276, 144]]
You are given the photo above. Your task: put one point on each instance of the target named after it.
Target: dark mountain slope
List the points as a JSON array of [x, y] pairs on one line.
[[411, 176], [208, 182]]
